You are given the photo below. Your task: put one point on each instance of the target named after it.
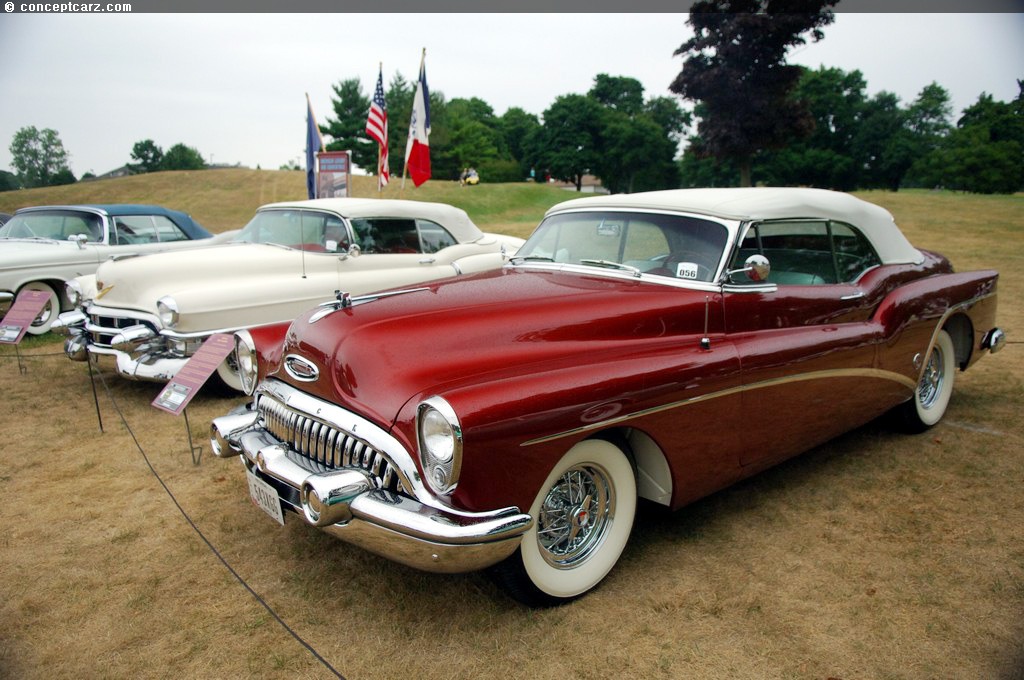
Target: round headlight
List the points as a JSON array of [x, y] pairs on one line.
[[438, 435], [168, 310], [245, 361], [440, 444], [73, 291]]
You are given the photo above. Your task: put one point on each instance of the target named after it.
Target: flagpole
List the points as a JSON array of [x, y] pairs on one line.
[[405, 167], [380, 187]]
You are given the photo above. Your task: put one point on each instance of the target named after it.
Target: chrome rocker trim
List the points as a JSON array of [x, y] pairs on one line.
[[410, 526]]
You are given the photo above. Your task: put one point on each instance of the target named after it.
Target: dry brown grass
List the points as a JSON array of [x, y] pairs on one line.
[[876, 556]]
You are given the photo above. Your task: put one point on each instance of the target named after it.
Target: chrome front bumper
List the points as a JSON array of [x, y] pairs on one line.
[[139, 352], [350, 504]]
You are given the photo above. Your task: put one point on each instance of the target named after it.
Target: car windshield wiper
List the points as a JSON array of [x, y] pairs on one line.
[[531, 258], [612, 265]]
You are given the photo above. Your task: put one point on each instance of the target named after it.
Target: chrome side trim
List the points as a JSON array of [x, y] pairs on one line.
[[802, 377]]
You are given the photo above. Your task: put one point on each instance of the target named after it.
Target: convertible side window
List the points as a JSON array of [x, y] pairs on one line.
[[854, 254], [387, 235], [808, 252], [800, 252], [433, 236], [146, 229]]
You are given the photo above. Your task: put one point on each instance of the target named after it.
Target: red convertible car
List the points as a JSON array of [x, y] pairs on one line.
[[658, 346]]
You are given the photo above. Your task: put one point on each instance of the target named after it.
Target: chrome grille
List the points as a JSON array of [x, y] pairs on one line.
[[102, 328], [320, 447]]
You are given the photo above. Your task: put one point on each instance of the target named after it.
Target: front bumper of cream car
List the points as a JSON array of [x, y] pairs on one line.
[[361, 489], [141, 350]]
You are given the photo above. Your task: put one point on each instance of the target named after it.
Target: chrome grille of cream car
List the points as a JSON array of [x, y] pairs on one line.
[[322, 447], [103, 327]]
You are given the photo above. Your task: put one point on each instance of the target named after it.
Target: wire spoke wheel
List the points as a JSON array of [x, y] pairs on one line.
[[575, 516], [934, 387], [583, 516]]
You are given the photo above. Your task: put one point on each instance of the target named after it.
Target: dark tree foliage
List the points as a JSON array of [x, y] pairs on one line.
[[516, 126], [983, 154], [347, 129], [181, 157], [735, 67], [618, 93], [399, 96], [567, 144], [148, 155], [8, 181], [40, 158]]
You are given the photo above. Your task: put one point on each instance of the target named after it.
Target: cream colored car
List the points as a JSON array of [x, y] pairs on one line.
[[151, 313]]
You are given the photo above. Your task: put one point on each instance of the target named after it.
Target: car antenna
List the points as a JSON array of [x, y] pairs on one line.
[[302, 245], [705, 342]]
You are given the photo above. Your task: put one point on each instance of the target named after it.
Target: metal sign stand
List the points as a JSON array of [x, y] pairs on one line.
[[195, 451], [22, 368], [95, 396]]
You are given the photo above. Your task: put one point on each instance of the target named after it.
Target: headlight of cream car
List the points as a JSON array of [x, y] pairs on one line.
[[245, 361], [440, 444], [73, 291], [168, 310]]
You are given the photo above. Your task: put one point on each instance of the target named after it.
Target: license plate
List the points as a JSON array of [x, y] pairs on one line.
[[265, 497]]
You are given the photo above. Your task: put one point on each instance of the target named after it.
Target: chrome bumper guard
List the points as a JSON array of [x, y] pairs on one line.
[[994, 340], [349, 504], [138, 351]]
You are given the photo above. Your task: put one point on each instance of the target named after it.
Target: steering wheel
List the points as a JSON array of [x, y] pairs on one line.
[[704, 266]]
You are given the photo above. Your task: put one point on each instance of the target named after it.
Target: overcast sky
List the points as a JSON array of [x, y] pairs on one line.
[[233, 86]]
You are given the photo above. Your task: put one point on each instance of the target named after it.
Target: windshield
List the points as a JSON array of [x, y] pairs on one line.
[[299, 229], [674, 246], [54, 224]]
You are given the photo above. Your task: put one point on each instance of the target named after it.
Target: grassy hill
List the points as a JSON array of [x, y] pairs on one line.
[[226, 198]]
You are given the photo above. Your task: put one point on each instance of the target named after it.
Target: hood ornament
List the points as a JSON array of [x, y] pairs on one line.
[[343, 300]]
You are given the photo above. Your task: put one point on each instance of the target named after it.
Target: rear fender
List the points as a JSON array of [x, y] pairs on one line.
[[935, 297], [911, 316]]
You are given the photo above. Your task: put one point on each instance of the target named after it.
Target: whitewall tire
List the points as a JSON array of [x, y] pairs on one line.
[[583, 516], [934, 388], [51, 309]]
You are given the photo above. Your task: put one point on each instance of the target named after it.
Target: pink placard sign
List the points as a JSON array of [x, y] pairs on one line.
[[21, 315], [194, 374]]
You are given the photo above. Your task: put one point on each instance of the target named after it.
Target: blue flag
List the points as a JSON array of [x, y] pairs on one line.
[[313, 144]]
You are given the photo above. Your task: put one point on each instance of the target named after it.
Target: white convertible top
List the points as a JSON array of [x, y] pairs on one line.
[[763, 203], [455, 220]]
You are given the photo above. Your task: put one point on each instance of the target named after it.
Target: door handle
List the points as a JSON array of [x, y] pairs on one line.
[[853, 296]]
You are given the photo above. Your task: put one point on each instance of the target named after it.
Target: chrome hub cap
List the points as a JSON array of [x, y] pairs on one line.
[[930, 386], [575, 516]]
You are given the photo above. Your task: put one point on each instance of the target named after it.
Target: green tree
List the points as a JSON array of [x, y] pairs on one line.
[[516, 127], [348, 127], [638, 141], [148, 154], [983, 154], [735, 66], [825, 158], [473, 136], [618, 93], [8, 181], [883, 144], [181, 157], [39, 158], [567, 144], [399, 98]]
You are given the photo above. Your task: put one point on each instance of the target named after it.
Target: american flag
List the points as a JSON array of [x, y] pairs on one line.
[[377, 129]]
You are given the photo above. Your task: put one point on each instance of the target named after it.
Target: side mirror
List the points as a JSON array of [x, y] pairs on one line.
[[80, 239], [757, 268], [353, 251]]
